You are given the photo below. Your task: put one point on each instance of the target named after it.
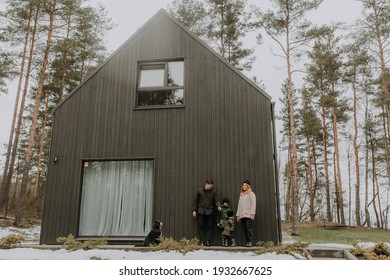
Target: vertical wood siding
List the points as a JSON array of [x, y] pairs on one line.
[[223, 133]]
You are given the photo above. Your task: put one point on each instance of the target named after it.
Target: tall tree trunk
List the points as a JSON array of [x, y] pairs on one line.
[[327, 185], [289, 190], [381, 53], [375, 187], [41, 145], [337, 158], [356, 151], [293, 135], [366, 211], [15, 144], [386, 130], [315, 188], [65, 59], [221, 38], [311, 192], [37, 201], [336, 187], [386, 211], [349, 188], [374, 193], [384, 70], [20, 209], [380, 222], [4, 190]]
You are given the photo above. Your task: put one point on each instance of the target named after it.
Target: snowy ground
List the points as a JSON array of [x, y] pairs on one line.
[[32, 238], [35, 254]]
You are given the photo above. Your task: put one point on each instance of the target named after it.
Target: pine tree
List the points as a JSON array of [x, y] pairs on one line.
[[317, 83], [7, 64], [74, 46], [288, 27], [222, 23], [21, 16], [6, 68], [192, 14], [356, 67], [228, 25], [333, 66], [376, 29], [284, 117], [310, 130], [20, 209]]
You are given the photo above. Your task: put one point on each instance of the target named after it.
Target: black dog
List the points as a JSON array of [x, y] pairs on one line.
[[154, 234]]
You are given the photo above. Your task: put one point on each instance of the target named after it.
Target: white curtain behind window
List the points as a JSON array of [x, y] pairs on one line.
[[116, 198]]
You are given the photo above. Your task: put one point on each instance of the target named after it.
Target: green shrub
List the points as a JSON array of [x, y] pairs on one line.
[[72, 245], [11, 241], [183, 245]]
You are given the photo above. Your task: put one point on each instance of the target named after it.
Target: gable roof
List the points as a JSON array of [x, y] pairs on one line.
[[200, 41]]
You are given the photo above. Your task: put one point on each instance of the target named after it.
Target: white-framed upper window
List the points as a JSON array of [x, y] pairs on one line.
[[160, 83]]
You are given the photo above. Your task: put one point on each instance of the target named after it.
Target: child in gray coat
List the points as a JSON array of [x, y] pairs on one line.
[[227, 234]]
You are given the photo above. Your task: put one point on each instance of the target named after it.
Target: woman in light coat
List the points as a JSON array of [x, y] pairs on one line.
[[246, 211]]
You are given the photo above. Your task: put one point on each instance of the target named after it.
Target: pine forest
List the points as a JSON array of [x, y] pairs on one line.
[[334, 117]]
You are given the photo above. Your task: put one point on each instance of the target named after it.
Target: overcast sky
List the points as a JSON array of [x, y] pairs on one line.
[[130, 15]]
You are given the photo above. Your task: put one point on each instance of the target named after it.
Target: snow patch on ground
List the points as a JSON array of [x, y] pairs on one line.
[[31, 234], [32, 237], [369, 245], [62, 254], [330, 246]]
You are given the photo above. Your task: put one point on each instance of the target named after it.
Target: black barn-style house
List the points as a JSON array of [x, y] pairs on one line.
[[135, 140]]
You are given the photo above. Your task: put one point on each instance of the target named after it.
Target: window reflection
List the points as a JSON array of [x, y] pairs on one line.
[[161, 97], [161, 84], [175, 73]]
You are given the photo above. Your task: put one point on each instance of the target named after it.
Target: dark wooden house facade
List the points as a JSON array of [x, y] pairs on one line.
[[141, 134]]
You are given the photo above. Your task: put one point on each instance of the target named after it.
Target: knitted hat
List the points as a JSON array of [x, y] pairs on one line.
[[225, 200], [247, 182], [248, 188]]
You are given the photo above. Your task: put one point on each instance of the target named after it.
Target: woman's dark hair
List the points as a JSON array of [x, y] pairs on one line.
[[210, 182]]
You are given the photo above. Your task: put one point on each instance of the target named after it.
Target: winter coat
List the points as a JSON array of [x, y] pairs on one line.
[[205, 201], [228, 226], [246, 205], [222, 216]]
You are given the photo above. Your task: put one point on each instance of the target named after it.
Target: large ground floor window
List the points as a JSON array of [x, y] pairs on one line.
[[116, 198]]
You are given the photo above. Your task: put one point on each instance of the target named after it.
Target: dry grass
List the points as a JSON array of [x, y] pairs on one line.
[[290, 249], [11, 241], [183, 245], [379, 252], [71, 244], [324, 232]]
